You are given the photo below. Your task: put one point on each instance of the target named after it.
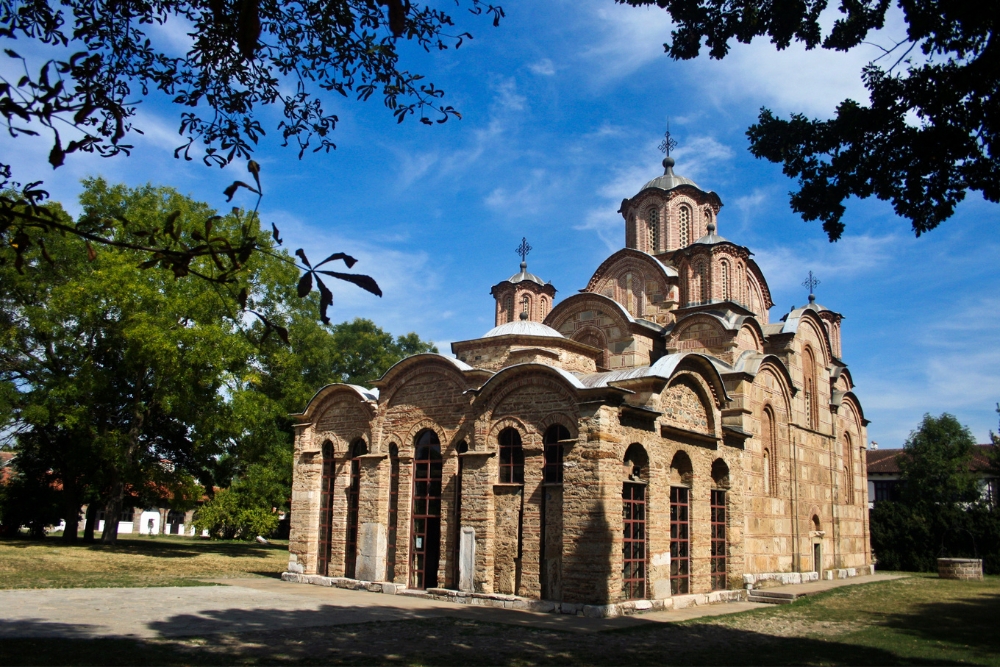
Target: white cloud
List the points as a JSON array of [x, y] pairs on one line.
[[785, 265], [543, 67]]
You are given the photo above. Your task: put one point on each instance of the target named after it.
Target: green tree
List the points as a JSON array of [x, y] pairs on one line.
[[930, 130]]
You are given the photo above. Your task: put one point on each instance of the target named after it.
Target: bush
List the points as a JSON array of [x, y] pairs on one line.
[[228, 516]]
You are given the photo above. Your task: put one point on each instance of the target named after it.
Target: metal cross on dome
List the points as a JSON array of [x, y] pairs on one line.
[[811, 282], [668, 143], [523, 249]]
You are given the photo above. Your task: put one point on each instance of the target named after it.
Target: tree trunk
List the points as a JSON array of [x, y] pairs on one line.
[[88, 527], [111, 513], [71, 514]]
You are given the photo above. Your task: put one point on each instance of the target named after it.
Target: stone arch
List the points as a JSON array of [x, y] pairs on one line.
[[526, 434], [811, 326], [636, 463], [681, 469], [594, 337], [699, 331], [686, 402], [750, 338], [512, 378], [564, 420], [720, 474], [629, 258], [426, 424]]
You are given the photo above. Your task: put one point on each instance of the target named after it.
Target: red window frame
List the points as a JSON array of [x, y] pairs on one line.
[[680, 540], [719, 544], [552, 470], [425, 533], [634, 550], [511, 457], [325, 511]]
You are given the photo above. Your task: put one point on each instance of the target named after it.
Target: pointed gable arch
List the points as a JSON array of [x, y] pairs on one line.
[[626, 258]]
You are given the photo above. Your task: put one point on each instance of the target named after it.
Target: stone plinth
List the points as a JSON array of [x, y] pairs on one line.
[[960, 568]]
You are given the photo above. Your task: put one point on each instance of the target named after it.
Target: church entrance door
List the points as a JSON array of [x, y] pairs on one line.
[[425, 544]]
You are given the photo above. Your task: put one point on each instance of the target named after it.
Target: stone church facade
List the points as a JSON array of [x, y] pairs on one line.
[[653, 435]]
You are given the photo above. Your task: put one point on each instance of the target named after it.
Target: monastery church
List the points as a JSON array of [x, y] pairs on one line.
[[650, 436]]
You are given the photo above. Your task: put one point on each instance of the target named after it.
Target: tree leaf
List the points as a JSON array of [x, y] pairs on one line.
[[348, 260], [325, 300], [275, 234], [305, 284], [366, 283], [301, 254], [236, 185]]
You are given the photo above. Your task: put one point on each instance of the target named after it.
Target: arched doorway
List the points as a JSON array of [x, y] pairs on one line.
[[425, 543]]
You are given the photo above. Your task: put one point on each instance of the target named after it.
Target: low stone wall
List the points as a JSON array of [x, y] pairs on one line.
[[960, 568], [514, 602], [767, 579]]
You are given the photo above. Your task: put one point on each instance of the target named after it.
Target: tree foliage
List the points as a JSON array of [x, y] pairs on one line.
[[929, 133], [940, 512], [122, 386]]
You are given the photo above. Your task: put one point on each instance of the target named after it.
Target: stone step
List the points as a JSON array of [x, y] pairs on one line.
[[767, 599], [772, 593]]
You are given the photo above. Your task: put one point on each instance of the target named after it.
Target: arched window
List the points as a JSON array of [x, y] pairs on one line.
[[325, 510], [699, 288], [809, 379], [681, 472], [508, 308], [425, 545], [684, 226], [543, 306], [390, 551], [653, 221], [511, 457], [634, 550], [720, 482], [768, 441], [848, 469], [553, 469], [358, 449], [726, 296], [630, 232], [526, 306]]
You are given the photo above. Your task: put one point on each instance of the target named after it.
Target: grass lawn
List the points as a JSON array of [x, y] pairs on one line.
[[134, 561], [921, 620]]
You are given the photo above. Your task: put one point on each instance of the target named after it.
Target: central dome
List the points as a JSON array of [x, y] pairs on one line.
[[523, 328], [524, 275]]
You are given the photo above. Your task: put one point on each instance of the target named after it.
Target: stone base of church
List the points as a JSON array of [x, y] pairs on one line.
[[500, 601], [768, 579]]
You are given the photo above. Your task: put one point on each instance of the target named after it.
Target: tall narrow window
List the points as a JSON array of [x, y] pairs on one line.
[[809, 378], [508, 308], [526, 306], [358, 449], [543, 306], [684, 226], [634, 540], [768, 438], [511, 457], [718, 506], [726, 296], [653, 220], [553, 470], [325, 510], [390, 551], [680, 540], [848, 470], [425, 551]]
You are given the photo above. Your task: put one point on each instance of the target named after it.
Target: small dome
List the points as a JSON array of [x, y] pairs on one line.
[[669, 180], [711, 238], [524, 275], [523, 328]]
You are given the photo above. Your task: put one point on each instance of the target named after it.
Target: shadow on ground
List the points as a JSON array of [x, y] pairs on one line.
[[401, 636], [955, 622], [159, 547]]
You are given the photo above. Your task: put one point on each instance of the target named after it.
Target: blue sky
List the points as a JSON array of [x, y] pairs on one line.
[[563, 106]]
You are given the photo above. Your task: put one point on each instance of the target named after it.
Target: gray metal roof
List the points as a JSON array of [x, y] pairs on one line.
[[523, 328], [524, 275], [669, 180]]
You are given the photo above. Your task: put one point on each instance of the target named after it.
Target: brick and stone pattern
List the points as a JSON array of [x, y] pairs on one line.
[[731, 387], [969, 569]]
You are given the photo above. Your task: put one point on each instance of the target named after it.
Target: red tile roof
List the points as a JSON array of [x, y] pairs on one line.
[[886, 461]]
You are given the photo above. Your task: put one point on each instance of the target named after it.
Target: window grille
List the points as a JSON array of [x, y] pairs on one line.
[[653, 220], [634, 540], [511, 457], [680, 540], [553, 469], [718, 539], [425, 549], [684, 227]]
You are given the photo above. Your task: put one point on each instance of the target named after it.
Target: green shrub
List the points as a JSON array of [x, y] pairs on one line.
[[227, 516]]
